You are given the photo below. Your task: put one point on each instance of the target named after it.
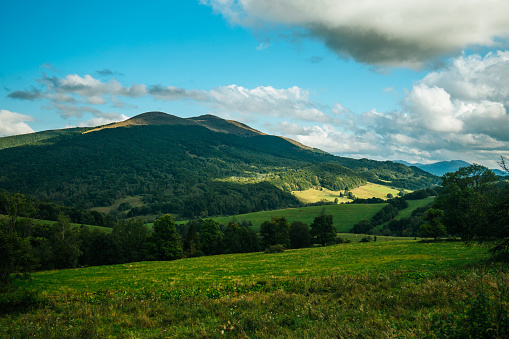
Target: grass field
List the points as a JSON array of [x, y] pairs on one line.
[[210, 271], [412, 205], [374, 190], [344, 215], [134, 201], [367, 191], [313, 195], [392, 289], [50, 222]]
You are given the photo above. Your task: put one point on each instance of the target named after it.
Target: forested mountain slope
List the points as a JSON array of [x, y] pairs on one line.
[[192, 167]]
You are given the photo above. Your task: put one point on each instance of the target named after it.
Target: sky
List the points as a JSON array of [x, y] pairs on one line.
[[385, 80]]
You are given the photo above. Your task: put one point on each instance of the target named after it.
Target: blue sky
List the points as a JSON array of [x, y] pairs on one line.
[[382, 80]]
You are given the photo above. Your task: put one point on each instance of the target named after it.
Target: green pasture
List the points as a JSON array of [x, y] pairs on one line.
[[216, 271], [344, 215], [51, 223], [412, 205]]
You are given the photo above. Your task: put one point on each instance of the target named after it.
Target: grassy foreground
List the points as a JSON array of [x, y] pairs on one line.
[[395, 289]]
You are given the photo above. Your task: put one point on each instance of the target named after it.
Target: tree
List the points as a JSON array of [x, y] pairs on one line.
[[497, 231], [15, 254], [322, 229], [362, 227], [434, 227], [131, 237], [504, 163], [192, 247], [165, 239], [211, 237], [275, 232], [65, 244], [299, 235], [464, 200], [99, 248]]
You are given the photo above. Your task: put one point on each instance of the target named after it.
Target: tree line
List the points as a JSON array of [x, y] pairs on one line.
[[472, 204], [26, 245]]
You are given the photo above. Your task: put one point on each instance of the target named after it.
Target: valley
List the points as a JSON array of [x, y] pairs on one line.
[[203, 227]]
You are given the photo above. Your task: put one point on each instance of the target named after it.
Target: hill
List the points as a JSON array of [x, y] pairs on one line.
[[442, 167], [191, 167]]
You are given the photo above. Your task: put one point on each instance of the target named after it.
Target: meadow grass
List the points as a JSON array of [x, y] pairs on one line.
[[398, 289], [134, 201], [412, 205], [313, 195], [51, 223], [344, 215], [369, 190], [403, 255]]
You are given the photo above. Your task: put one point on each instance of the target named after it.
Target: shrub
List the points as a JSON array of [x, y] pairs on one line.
[[275, 249]]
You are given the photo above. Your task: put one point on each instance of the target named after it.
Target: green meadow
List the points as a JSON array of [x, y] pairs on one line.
[[390, 289], [344, 215], [248, 268], [412, 205]]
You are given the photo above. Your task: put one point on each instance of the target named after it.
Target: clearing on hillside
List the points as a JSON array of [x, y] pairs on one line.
[[369, 190]]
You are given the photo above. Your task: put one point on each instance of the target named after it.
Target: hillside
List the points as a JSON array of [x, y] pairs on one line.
[[189, 167], [442, 167]]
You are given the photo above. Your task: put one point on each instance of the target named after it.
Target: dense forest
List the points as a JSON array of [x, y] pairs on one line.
[[186, 170]]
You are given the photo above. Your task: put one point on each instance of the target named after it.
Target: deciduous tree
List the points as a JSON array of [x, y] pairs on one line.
[[322, 229], [166, 239]]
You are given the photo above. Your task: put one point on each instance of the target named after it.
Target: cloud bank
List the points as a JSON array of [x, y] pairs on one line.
[[458, 113], [382, 33]]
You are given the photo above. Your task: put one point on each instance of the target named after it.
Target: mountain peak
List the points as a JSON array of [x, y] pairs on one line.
[[209, 121]]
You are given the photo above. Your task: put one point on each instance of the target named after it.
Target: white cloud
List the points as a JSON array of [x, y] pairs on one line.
[[390, 33], [12, 123], [103, 120], [471, 96], [460, 112], [267, 101]]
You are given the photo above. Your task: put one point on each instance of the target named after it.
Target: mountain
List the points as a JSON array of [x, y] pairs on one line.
[[442, 167], [194, 167], [208, 121]]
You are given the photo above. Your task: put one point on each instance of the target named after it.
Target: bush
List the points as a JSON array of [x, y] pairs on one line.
[[482, 315], [340, 240], [275, 249]]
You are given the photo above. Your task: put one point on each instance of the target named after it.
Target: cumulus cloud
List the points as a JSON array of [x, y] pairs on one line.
[[108, 119], [12, 123], [471, 96], [388, 33], [267, 101], [460, 112], [74, 95]]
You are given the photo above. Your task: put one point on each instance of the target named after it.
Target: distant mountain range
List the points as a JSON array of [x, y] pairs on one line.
[[442, 167], [195, 167]]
